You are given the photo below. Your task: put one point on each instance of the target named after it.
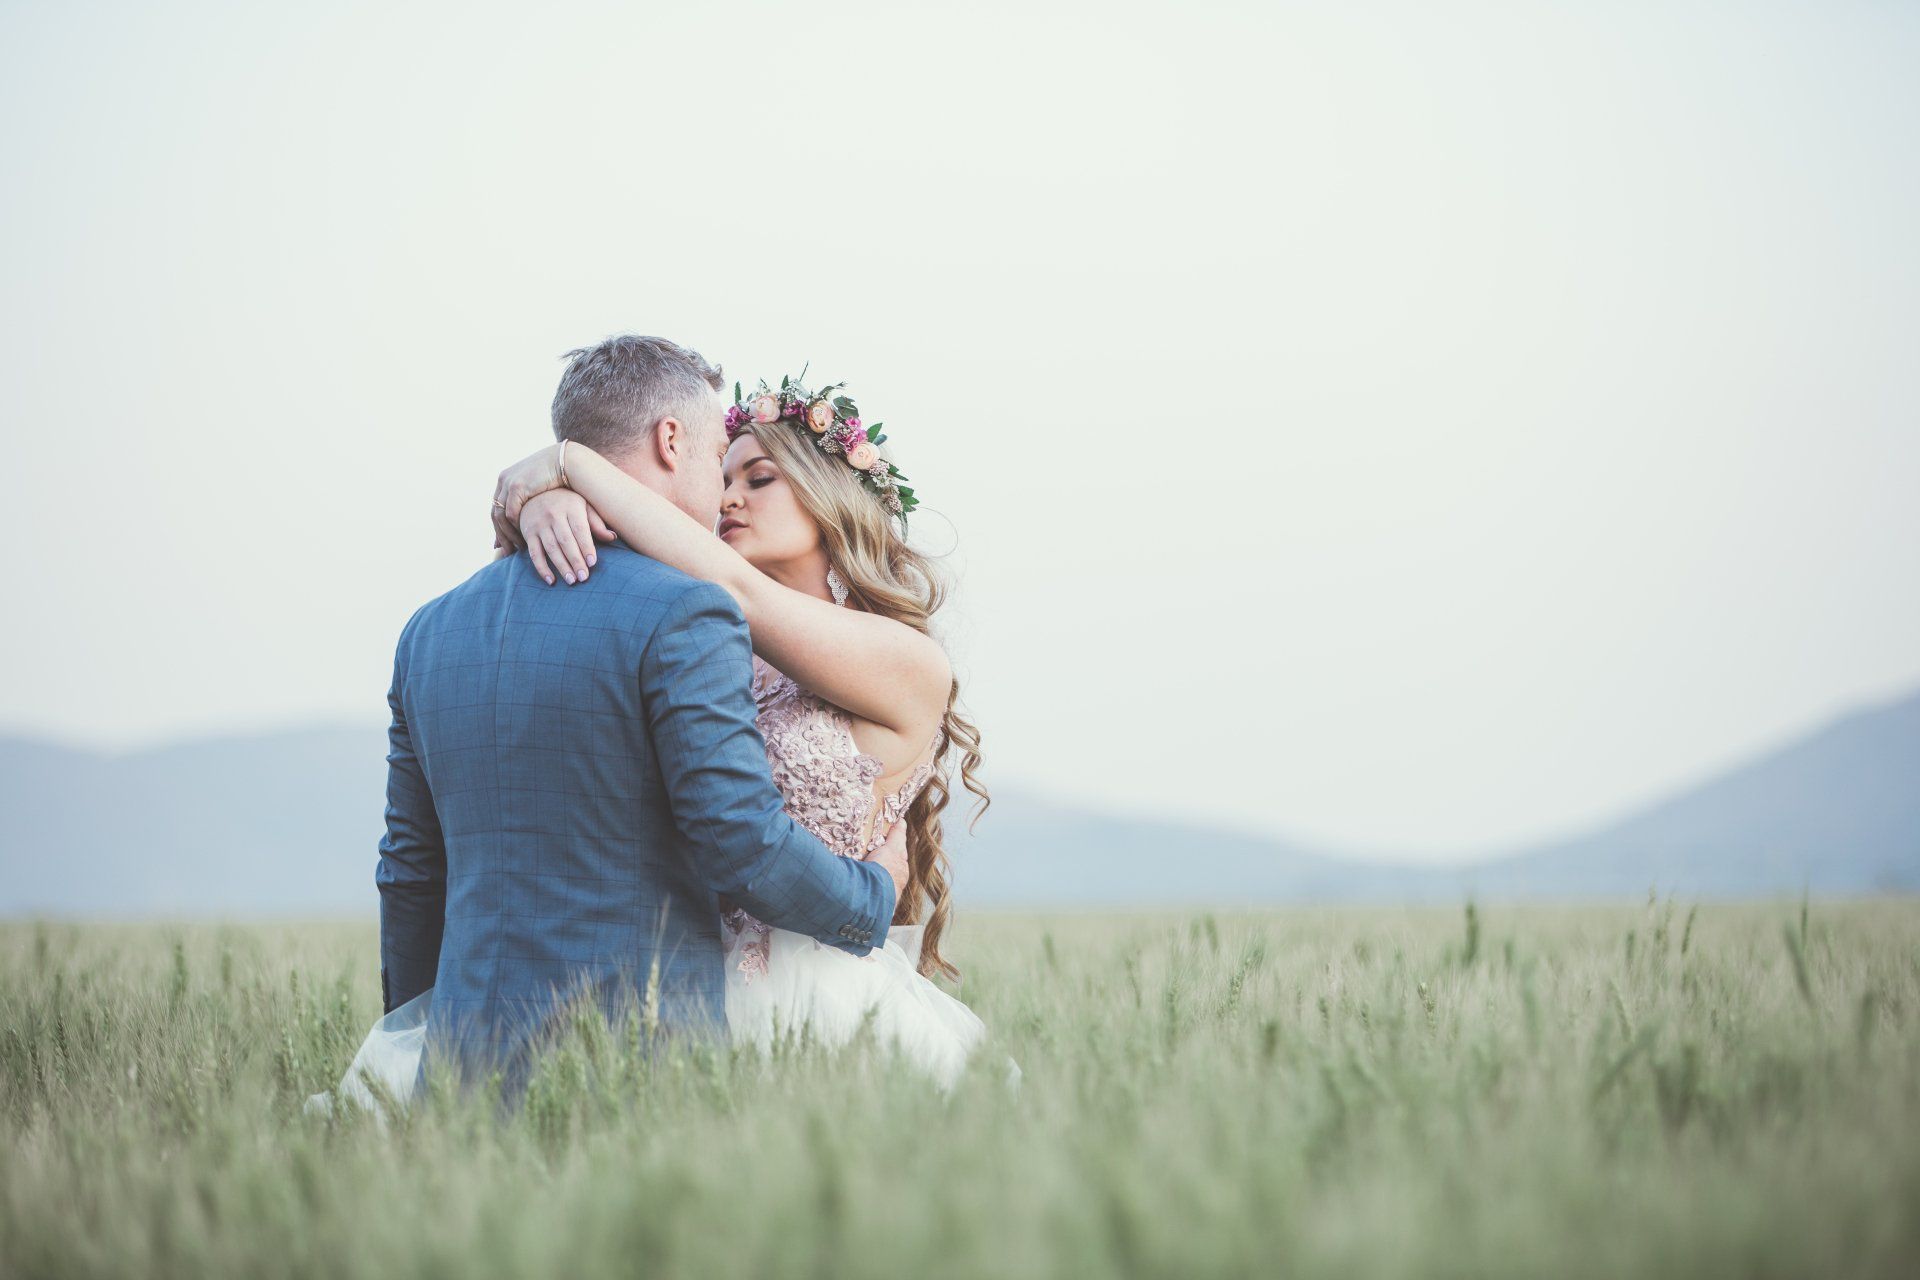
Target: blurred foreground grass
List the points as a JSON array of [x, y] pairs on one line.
[[1522, 1092]]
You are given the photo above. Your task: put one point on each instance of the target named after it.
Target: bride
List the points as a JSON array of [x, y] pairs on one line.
[[857, 704]]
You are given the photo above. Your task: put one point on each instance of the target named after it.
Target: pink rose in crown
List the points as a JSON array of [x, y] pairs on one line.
[[765, 409], [863, 455], [820, 416], [853, 424], [736, 418]]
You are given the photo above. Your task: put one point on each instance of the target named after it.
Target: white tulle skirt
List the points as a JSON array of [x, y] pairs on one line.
[[389, 1060], [806, 992]]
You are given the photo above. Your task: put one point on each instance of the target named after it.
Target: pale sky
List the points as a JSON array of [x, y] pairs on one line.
[[1416, 427]]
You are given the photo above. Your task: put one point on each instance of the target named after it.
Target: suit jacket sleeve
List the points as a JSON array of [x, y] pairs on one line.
[[694, 679], [412, 876]]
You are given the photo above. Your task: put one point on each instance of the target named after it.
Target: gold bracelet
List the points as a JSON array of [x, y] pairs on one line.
[[563, 466]]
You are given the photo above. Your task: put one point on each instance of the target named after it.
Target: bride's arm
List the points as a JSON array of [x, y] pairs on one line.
[[874, 667]]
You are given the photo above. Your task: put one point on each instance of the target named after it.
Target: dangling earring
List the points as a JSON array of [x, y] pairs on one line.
[[837, 585]]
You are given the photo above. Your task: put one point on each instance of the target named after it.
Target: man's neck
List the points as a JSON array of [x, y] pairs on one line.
[[637, 465]]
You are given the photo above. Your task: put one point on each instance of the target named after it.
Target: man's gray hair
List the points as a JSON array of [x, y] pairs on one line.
[[614, 392]]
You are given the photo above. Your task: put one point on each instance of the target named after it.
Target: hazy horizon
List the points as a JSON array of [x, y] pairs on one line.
[[1402, 430], [1144, 810]]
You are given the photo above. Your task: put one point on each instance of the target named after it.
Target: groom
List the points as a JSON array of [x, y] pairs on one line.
[[574, 773]]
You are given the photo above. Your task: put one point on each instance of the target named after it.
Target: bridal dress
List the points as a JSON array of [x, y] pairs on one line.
[[780, 986], [787, 985]]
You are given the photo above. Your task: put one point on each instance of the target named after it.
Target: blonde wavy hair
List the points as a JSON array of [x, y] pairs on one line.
[[887, 577]]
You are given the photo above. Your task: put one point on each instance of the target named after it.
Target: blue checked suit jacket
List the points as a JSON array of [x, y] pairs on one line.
[[573, 775]]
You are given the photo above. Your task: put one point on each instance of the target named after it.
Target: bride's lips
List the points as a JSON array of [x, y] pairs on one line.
[[728, 525]]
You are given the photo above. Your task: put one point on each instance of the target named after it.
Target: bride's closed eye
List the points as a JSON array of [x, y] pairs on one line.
[[759, 474]]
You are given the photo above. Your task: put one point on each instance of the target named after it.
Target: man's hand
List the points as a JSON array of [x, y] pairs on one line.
[[892, 857]]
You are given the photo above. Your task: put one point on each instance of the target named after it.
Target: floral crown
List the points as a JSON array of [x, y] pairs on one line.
[[834, 421]]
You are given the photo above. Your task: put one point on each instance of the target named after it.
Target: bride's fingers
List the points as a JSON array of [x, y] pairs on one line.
[[573, 561], [556, 555], [582, 537], [599, 526], [509, 530], [537, 552], [505, 533]]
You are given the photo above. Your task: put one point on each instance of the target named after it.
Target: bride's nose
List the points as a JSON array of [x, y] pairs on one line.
[[730, 497]]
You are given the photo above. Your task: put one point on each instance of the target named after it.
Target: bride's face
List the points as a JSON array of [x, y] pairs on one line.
[[760, 515]]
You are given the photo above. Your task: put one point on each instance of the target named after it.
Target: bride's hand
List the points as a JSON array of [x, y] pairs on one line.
[[559, 530], [520, 482]]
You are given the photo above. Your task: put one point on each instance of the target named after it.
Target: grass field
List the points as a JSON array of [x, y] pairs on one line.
[[1622, 1091]]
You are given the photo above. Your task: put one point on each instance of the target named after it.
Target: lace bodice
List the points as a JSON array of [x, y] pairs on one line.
[[825, 779]]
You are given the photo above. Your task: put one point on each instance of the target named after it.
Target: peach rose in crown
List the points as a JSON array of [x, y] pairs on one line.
[[863, 455], [820, 416], [765, 409]]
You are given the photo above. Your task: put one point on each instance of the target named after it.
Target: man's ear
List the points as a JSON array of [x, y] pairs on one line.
[[670, 443]]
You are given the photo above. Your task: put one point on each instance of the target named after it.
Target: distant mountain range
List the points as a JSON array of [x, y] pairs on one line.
[[286, 824], [1834, 812]]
